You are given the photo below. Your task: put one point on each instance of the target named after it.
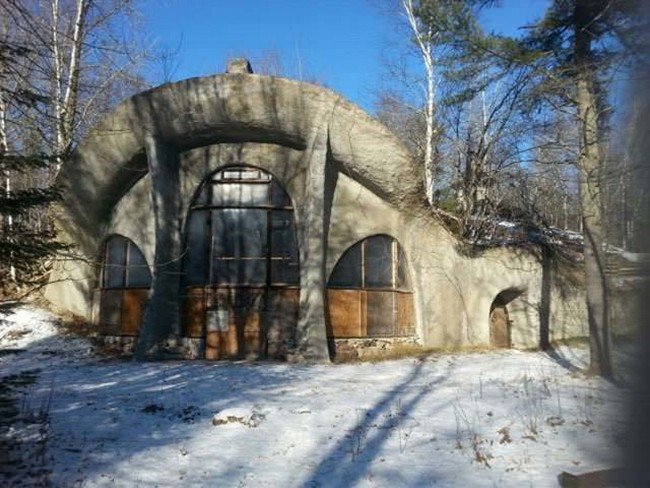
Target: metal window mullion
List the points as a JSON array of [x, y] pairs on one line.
[[102, 281], [125, 278], [363, 314], [210, 253], [363, 265], [269, 247], [393, 255], [219, 207]]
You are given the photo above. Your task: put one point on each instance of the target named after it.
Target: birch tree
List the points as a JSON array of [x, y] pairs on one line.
[[22, 245], [571, 55], [423, 37], [63, 63], [84, 61]]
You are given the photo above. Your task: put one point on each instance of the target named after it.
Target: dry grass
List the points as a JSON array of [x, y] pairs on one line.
[[571, 342], [403, 351], [70, 323]]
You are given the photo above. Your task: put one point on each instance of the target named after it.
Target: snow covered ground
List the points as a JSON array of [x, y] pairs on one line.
[[505, 418]]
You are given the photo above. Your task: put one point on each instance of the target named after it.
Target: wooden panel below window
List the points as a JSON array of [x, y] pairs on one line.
[[381, 313], [405, 314], [253, 343], [194, 312], [345, 313], [240, 322], [221, 345], [369, 313], [233, 344], [282, 308], [133, 305], [245, 319], [110, 311]]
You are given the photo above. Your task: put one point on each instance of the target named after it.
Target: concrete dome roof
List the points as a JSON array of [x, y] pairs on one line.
[[227, 108]]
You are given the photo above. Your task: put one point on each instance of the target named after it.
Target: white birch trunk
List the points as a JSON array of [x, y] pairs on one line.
[[56, 81], [4, 149], [426, 51], [65, 94]]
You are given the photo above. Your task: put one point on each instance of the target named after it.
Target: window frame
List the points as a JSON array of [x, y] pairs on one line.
[[205, 195], [398, 257], [353, 303], [128, 247]]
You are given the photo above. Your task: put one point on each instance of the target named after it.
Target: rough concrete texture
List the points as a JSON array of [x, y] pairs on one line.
[[348, 178]]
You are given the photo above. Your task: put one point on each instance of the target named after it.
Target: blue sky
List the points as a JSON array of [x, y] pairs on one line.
[[340, 43]]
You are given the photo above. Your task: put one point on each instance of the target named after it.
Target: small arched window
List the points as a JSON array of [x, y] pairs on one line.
[[123, 265], [376, 263], [123, 289], [369, 292]]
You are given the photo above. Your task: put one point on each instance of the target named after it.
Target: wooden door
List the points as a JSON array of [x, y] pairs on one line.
[[249, 322], [499, 326]]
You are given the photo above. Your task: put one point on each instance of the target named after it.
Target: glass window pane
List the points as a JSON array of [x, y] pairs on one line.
[[379, 262], [138, 274], [285, 272], [115, 261], [202, 197], [240, 194], [239, 271], [240, 245], [283, 245], [283, 238], [279, 197], [239, 233], [347, 272], [403, 282], [242, 173], [196, 252]]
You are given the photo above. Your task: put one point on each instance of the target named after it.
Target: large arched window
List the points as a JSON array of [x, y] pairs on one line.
[[124, 283], [241, 267], [369, 293]]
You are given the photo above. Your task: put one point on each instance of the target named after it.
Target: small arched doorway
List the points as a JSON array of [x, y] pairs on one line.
[[240, 269], [500, 323], [123, 288]]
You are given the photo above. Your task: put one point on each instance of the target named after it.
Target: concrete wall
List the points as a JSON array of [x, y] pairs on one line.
[[348, 178]]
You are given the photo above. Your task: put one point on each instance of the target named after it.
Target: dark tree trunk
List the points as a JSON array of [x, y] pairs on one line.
[[162, 316], [589, 164]]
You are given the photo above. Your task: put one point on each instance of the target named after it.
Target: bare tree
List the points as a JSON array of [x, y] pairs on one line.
[[63, 64], [424, 36], [82, 60]]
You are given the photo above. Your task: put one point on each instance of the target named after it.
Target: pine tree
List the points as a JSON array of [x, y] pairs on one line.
[[571, 55], [25, 239], [578, 44]]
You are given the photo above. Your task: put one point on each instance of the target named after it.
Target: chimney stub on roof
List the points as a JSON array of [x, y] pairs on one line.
[[239, 66]]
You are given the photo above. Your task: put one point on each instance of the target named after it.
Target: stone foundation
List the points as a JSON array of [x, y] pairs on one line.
[[373, 348]]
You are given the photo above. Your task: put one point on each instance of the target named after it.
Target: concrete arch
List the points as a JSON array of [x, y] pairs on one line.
[[500, 321], [224, 109]]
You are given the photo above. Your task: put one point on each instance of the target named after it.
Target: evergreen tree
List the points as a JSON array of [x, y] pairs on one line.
[[25, 238], [571, 55]]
